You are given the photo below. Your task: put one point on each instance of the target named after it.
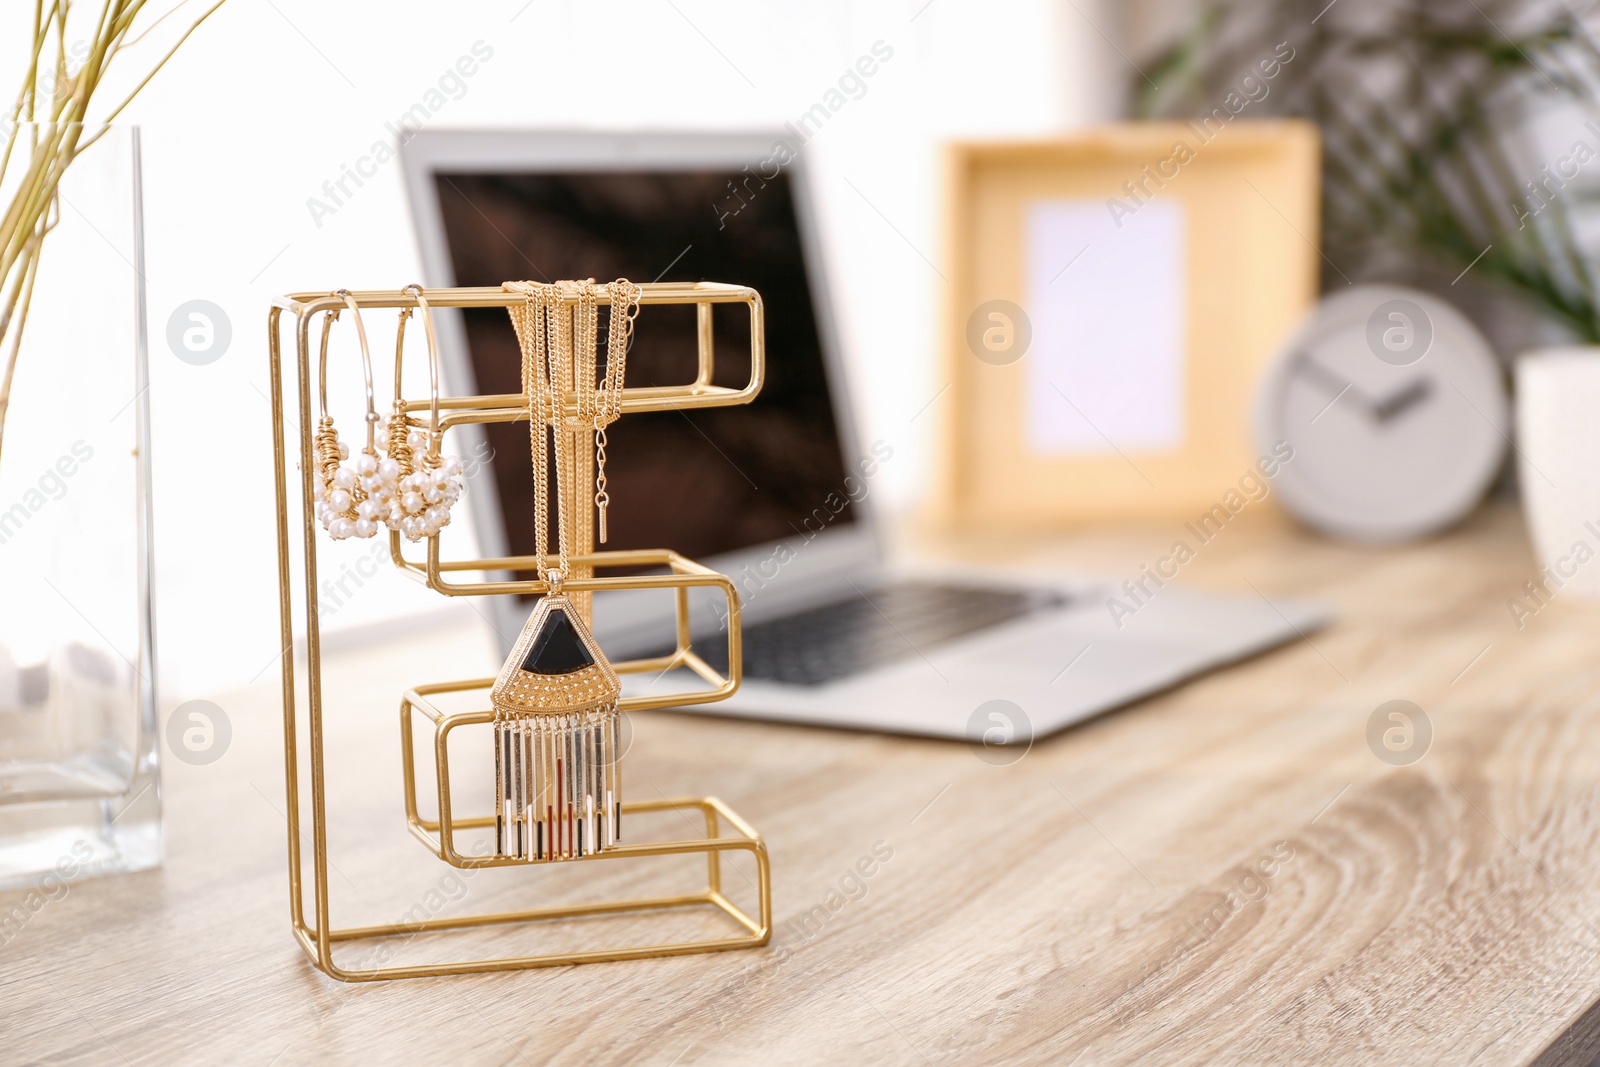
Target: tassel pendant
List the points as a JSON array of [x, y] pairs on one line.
[[556, 736]]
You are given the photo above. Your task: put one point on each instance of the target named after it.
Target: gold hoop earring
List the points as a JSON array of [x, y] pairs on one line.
[[426, 483], [345, 493]]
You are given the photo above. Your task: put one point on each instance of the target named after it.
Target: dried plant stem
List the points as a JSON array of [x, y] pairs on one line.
[[48, 134], [16, 305]]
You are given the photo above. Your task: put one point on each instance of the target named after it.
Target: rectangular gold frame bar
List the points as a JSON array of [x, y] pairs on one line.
[[513, 407], [686, 574], [756, 930], [438, 834], [316, 934]]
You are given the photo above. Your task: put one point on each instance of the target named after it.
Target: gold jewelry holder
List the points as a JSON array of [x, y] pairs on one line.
[[725, 831]]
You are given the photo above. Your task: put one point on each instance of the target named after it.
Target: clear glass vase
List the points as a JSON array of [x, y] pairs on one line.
[[79, 792]]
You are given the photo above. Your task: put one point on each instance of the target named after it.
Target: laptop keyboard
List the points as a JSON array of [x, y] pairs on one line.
[[884, 624]]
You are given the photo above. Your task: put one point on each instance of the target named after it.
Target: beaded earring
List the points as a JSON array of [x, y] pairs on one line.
[[346, 495], [426, 484]]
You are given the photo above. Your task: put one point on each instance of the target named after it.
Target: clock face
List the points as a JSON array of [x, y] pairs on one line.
[[1396, 412]]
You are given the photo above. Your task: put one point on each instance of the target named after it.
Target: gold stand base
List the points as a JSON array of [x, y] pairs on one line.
[[756, 931]]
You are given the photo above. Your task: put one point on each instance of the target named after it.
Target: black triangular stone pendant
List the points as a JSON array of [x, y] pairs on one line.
[[557, 649]]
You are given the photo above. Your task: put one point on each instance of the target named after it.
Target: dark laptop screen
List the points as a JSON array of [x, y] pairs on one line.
[[702, 482]]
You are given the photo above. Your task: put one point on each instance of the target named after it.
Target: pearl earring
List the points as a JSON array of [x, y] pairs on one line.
[[349, 495], [426, 484]]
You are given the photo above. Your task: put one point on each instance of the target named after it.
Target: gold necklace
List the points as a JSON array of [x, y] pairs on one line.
[[607, 399], [557, 732]]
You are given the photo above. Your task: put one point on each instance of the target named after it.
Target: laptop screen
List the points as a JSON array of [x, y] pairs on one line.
[[704, 482]]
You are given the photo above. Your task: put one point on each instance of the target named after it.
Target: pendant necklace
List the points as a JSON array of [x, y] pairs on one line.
[[557, 732]]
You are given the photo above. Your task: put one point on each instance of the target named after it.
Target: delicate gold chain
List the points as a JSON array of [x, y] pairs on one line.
[[538, 322], [559, 348], [608, 397], [624, 309], [585, 330]]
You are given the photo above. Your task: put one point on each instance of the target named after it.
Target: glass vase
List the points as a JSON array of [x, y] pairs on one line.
[[79, 784]]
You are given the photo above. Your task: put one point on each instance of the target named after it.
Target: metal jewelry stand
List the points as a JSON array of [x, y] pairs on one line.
[[725, 831]]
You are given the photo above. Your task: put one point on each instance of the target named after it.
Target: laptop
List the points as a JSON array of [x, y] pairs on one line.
[[781, 495]]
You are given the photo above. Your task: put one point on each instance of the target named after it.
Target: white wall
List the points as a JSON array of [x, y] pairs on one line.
[[271, 99]]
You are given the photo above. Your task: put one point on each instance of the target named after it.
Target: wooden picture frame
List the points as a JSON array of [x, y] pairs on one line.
[[1244, 261]]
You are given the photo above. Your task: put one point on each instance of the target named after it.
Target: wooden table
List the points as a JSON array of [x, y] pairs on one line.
[[1100, 901]]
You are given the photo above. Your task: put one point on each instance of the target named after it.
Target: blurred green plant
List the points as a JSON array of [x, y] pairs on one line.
[[1429, 114]]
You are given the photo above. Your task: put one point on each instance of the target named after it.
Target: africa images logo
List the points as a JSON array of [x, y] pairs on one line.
[[1253, 487]]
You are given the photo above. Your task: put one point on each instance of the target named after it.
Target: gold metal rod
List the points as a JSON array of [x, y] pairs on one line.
[[652, 665], [724, 686], [408, 760], [307, 940], [644, 557], [733, 817], [319, 821], [485, 296], [427, 707], [425, 830], [537, 586], [456, 859], [724, 689], [291, 757], [646, 807], [706, 672], [745, 841], [519, 401], [565, 911], [682, 634], [441, 756], [714, 859], [435, 574], [735, 913], [559, 959], [706, 347], [431, 688], [671, 398]]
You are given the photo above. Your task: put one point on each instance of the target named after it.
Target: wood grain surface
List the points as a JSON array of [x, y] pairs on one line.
[[1224, 874]]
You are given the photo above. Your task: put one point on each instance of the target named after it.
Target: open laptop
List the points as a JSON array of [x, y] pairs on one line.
[[781, 494]]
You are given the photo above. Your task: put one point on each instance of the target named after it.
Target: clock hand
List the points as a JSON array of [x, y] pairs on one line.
[[1393, 406], [1336, 384]]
